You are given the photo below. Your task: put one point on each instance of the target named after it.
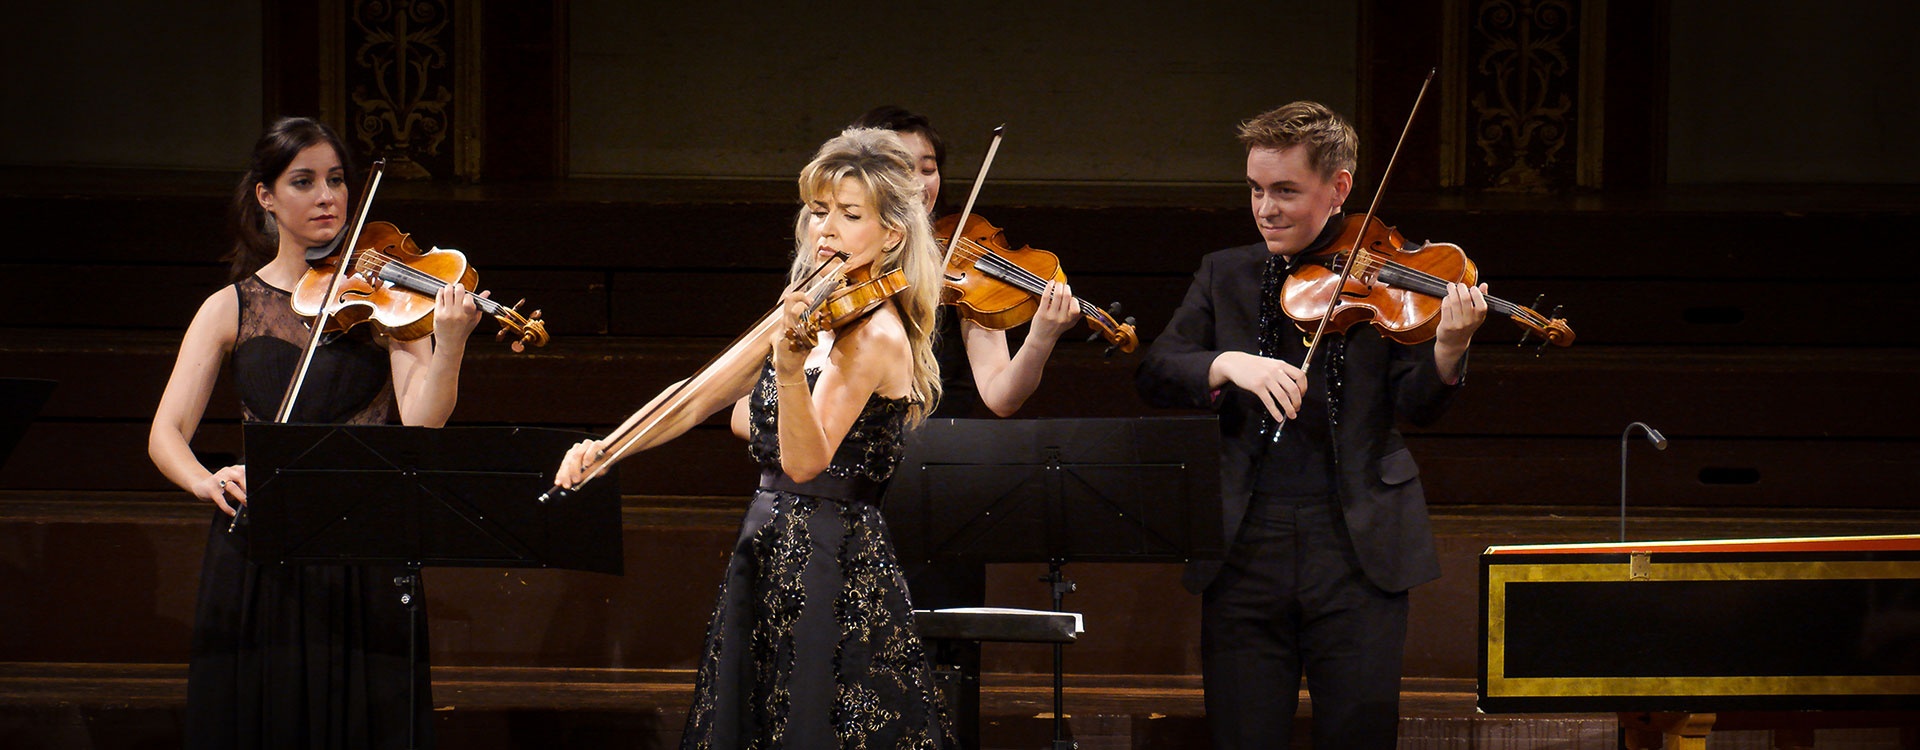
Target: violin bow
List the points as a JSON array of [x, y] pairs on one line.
[[641, 422], [967, 210], [1346, 269], [284, 414], [340, 272]]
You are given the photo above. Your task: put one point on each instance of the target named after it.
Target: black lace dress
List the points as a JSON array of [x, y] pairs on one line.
[[299, 656], [812, 643]]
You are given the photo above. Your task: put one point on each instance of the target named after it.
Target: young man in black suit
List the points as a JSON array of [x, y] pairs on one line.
[[1326, 526]]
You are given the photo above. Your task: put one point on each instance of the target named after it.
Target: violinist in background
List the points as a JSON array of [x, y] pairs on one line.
[[297, 656], [1326, 527], [812, 642], [975, 369], [1000, 381]]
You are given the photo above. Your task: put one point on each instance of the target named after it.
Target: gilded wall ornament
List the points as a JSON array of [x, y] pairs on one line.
[[398, 76], [1524, 80]]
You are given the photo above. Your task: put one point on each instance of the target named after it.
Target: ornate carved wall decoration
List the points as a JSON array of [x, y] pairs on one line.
[[1526, 78], [401, 78]]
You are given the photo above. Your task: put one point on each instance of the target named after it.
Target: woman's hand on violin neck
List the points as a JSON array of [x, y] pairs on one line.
[[791, 341], [454, 315], [1277, 384], [226, 488], [1057, 314], [573, 468]]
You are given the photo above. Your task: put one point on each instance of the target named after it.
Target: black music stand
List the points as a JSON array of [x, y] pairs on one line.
[[418, 497], [1059, 491]]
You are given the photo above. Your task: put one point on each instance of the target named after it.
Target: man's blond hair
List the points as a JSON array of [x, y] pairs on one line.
[[1330, 141]]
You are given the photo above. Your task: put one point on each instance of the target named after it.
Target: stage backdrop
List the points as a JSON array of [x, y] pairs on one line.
[[1116, 92], [1793, 92], [131, 84]]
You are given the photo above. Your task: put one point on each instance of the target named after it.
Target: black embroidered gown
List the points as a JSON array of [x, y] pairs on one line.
[[300, 656], [812, 643]]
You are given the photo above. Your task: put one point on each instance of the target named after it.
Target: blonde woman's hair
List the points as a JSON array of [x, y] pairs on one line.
[[880, 163]]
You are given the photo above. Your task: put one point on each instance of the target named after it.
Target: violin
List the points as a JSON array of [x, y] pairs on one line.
[[391, 282], [841, 303], [998, 287], [1394, 284]]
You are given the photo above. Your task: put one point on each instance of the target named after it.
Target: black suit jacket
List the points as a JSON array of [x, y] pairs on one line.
[[1377, 481]]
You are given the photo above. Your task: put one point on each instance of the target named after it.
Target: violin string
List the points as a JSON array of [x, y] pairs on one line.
[[427, 283], [999, 267], [1434, 286], [1024, 279], [1438, 287], [1005, 270], [1398, 274]]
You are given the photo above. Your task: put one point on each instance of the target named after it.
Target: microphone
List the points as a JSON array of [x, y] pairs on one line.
[[1659, 443]]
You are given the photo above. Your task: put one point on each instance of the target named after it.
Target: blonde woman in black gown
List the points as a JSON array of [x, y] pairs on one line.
[[811, 644], [296, 656]]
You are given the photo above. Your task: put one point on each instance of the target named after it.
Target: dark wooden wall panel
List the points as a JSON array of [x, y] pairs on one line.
[[137, 608]]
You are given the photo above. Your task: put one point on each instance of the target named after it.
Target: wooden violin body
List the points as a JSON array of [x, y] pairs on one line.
[[1396, 285], [857, 295], [391, 283], [396, 311], [863, 292], [998, 287]]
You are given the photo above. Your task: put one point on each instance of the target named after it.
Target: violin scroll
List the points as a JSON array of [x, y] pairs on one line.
[[1119, 335], [529, 328], [1554, 330]]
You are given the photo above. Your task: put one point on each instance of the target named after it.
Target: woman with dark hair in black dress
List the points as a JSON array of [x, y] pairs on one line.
[[297, 656]]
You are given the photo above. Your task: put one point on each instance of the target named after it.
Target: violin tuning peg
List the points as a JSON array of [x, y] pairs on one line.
[[500, 335], [516, 305], [534, 316], [1129, 320], [1528, 333], [518, 346], [1544, 339]]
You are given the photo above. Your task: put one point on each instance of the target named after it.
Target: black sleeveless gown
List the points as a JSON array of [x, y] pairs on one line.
[[300, 656], [812, 643]]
